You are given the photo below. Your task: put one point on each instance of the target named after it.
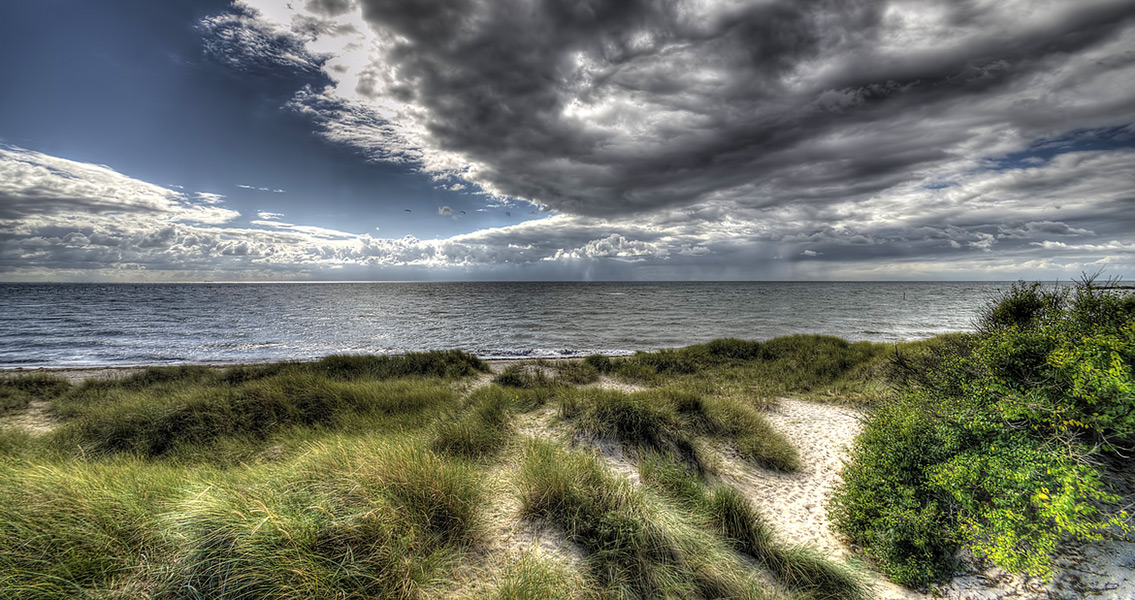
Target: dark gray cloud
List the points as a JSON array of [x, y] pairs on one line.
[[619, 108], [330, 8]]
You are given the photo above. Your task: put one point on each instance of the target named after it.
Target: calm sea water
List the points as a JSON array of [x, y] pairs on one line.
[[97, 325]]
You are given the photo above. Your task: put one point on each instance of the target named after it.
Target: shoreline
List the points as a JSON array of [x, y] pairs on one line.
[[76, 375]]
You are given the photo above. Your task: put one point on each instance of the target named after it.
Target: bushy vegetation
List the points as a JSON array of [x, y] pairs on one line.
[[992, 441]]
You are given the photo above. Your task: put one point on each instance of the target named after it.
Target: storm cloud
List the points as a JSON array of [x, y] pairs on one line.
[[607, 109]]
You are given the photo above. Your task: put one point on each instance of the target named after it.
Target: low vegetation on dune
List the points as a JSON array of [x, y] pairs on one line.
[[382, 477], [998, 441], [672, 421], [17, 393], [360, 477]]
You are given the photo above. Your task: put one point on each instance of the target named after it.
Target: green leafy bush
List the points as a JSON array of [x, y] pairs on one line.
[[989, 443]]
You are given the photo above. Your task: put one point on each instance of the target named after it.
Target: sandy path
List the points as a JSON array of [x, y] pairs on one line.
[[795, 505]]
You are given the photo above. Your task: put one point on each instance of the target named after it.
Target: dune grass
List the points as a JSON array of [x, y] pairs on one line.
[[670, 420], [635, 548], [483, 430], [17, 393], [733, 516], [375, 517], [198, 411], [377, 520], [73, 529], [811, 366], [359, 477], [194, 418], [533, 578]]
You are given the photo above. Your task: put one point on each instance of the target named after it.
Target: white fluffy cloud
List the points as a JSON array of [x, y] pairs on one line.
[[1065, 215]]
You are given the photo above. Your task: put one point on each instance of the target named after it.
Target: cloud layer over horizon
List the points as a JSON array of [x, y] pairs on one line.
[[683, 139]]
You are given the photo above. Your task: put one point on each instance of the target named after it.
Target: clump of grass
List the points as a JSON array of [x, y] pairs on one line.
[[644, 421], [525, 377], [573, 372], [798, 567], [17, 392], [442, 496], [544, 374], [374, 521], [201, 415], [533, 578], [483, 430], [74, 529], [733, 517], [368, 518], [636, 548], [601, 363], [753, 436], [666, 420], [436, 363]]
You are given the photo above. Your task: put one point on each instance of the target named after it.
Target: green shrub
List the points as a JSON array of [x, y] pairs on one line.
[[990, 442], [886, 502]]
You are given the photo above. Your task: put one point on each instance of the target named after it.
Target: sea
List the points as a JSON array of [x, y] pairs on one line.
[[93, 325]]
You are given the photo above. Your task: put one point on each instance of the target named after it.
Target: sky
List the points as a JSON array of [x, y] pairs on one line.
[[317, 140]]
